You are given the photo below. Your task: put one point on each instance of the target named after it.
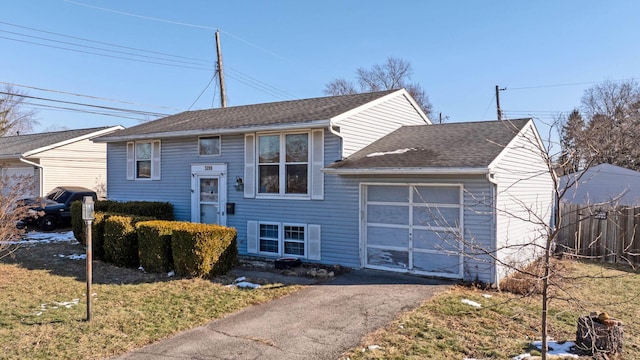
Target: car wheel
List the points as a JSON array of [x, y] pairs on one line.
[[48, 223]]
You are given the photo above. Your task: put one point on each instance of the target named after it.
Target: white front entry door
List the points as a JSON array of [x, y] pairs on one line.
[[209, 194]]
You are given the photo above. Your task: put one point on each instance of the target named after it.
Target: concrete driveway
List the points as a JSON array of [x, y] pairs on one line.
[[318, 322]]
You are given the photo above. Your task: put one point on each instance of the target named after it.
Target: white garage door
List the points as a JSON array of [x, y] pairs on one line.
[[20, 176], [413, 228]]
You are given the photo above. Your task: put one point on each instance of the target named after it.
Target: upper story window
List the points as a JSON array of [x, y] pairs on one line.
[[209, 146], [283, 163], [143, 160]]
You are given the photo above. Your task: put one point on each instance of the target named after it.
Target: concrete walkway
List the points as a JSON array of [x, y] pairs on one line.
[[318, 322]]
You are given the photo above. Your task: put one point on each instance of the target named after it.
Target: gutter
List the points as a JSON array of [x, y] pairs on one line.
[[40, 170], [409, 171]]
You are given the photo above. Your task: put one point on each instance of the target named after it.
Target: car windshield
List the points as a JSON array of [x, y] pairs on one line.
[[58, 195]]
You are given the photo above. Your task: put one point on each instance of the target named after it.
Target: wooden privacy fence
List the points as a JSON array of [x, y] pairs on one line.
[[607, 233]]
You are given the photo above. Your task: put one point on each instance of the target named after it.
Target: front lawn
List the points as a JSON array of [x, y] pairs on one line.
[[505, 324], [43, 305]]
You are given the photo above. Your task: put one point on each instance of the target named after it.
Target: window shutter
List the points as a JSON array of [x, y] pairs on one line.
[[313, 242], [131, 161], [249, 166], [252, 237], [155, 160], [317, 162]]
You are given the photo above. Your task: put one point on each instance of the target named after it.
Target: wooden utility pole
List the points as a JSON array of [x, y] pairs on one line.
[[498, 102], [223, 93]]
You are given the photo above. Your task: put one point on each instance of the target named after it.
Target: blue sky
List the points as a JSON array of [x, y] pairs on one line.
[[546, 53]]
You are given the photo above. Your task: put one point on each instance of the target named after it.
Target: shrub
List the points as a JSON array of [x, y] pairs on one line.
[[77, 224], [97, 235], [156, 209], [203, 250], [154, 245], [121, 240]]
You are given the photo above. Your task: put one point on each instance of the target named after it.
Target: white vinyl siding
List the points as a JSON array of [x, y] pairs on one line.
[[524, 201], [365, 127]]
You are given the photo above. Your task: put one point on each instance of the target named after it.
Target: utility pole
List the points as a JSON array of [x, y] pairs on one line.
[[498, 102], [223, 93]]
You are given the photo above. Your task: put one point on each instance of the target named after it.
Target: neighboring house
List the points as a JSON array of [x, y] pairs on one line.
[[348, 180], [60, 158], [602, 184]]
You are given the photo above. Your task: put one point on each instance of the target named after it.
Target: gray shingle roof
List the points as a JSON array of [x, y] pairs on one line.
[[15, 145], [452, 145], [275, 113]]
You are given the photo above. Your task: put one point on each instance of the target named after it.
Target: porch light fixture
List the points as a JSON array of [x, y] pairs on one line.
[[239, 184]]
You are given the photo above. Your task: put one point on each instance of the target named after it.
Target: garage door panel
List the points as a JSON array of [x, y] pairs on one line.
[[386, 236], [384, 193], [436, 263], [435, 216], [435, 241], [388, 214], [392, 259], [437, 194]]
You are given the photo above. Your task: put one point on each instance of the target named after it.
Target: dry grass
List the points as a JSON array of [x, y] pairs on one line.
[[130, 308], [445, 328]]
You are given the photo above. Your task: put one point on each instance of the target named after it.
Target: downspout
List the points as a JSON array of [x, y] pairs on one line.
[[337, 133], [494, 221], [40, 173]]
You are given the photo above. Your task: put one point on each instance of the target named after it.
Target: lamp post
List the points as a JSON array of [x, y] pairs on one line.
[[87, 216]]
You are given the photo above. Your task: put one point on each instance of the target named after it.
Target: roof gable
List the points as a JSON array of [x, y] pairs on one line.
[[18, 145], [303, 112], [450, 145]]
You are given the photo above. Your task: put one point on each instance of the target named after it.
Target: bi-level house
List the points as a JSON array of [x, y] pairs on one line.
[[359, 180]]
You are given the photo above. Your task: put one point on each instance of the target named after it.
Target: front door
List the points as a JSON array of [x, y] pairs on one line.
[[208, 200]]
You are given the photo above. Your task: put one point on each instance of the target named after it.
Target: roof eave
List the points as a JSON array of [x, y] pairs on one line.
[[219, 131], [73, 140], [410, 171]]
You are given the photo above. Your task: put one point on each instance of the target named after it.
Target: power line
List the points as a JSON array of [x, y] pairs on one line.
[[103, 43], [139, 112], [105, 55], [569, 84], [203, 90], [88, 96]]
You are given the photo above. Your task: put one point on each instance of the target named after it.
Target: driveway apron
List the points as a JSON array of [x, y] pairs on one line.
[[319, 322]]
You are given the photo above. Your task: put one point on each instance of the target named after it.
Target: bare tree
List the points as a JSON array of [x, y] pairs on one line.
[[15, 118], [12, 209], [612, 112], [395, 73]]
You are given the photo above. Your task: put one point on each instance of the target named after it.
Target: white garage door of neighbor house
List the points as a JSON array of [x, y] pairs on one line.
[[413, 228], [15, 176]]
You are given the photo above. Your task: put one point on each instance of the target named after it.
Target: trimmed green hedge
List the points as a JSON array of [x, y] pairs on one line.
[[203, 250], [155, 209], [77, 224], [154, 245], [121, 240]]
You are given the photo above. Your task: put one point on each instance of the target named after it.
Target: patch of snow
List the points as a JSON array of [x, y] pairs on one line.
[[141, 268], [247, 285], [555, 348], [73, 256], [399, 151], [171, 273], [374, 347], [57, 305], [35, 238], [241, 278], [487, 296], [471, 303]]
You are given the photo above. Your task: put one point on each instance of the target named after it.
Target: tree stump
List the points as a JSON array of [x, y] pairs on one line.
[[599, 336]]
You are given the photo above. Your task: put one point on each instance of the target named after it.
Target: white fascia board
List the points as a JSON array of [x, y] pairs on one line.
[[222, 131], [409, 171], [71, 141], [403, 92]]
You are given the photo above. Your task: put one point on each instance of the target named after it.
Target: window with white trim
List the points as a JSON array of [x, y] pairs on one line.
[[143, 160], [283, 164], [209, 146], [282, 239]]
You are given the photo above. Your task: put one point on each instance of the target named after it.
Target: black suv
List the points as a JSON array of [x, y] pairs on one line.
[[55, 209]]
